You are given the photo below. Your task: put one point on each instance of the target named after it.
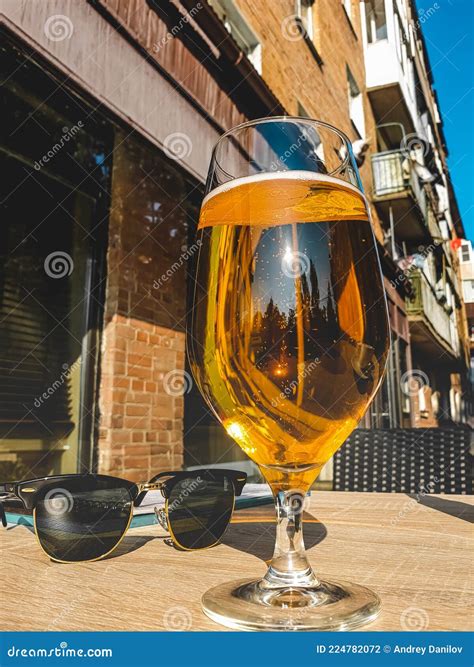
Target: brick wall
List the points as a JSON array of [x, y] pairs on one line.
[[293, 74], [140, 404], [141, 424]]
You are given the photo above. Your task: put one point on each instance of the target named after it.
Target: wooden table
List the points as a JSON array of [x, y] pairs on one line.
[[416, 556]]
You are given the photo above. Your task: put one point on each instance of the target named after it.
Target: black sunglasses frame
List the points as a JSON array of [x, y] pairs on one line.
[[31, 491]]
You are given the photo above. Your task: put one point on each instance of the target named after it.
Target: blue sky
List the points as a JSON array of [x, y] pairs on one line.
[[448, 29]]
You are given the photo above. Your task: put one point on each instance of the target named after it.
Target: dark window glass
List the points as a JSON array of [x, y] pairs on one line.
[[55, 175]]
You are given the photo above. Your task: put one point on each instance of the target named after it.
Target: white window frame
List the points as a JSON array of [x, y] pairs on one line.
[[356, 103], [347, 4], [371, 25], [304, 11], [240, 29]]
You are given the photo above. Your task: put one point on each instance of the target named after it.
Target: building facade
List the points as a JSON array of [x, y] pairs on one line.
[[466, 264], [113, 110]]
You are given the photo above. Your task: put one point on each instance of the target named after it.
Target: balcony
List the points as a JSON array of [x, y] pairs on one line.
[[432, 329], [387, 86], [389, 79], [397, 192]]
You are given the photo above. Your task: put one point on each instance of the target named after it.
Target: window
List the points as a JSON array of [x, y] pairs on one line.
[[304, 11], [468, 290], [52, 247], [465, 253], [304, 21], [80, 190], [376, 22], [356, 105], [302, 111], [398, 38], [240, 30], [347, 4], [400, 42]]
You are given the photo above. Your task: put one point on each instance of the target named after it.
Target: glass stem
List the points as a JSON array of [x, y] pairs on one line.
[[290, 566]]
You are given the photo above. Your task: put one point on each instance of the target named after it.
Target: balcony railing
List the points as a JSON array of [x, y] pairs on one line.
[[393, 174], [426, 304]]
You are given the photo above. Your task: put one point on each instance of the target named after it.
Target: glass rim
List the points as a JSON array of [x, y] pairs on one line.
[[271, 119]]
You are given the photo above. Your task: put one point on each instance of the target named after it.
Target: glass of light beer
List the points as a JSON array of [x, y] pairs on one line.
[[288, 342]]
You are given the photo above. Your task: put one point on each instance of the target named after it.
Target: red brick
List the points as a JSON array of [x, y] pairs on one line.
[[137, 410], [139, 360], [136, 462], [121, 382], [139, 372], [124, 331], [140, 423], [121, 437], [118, 396]]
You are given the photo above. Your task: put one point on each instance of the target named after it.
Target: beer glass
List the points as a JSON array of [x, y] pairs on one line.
[[288, 342]]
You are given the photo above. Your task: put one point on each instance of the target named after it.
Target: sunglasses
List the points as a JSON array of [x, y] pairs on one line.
[[81, 518]]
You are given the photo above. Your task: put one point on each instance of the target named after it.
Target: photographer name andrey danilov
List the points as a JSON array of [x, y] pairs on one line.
[[431, 648]]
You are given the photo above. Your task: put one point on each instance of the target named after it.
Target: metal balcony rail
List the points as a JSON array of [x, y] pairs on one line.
[[393, 174], [425, 303]]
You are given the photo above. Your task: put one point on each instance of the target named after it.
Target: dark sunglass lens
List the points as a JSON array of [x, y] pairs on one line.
[[199, 510], [82, 519]]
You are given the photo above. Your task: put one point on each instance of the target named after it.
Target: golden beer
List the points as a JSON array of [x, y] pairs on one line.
[[289, 333]]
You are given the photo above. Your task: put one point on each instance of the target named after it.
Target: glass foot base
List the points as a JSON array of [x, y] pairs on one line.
[[253, 605]]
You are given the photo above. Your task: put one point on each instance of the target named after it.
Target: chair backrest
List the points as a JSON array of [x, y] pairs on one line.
[[432, 460]]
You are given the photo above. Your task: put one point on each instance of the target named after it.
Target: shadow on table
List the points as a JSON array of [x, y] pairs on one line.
[[131, 543], [255, 534], [454, 508]]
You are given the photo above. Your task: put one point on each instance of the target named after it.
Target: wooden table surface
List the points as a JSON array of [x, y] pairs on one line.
[[416, 555]]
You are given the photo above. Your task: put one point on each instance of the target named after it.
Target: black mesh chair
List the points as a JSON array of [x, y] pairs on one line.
[[431, 460]]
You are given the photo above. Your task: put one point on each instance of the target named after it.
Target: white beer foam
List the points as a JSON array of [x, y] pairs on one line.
[[296, 175]]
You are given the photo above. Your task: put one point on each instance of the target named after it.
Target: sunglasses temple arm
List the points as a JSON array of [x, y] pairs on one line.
[[139, 499], [5, 488]]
